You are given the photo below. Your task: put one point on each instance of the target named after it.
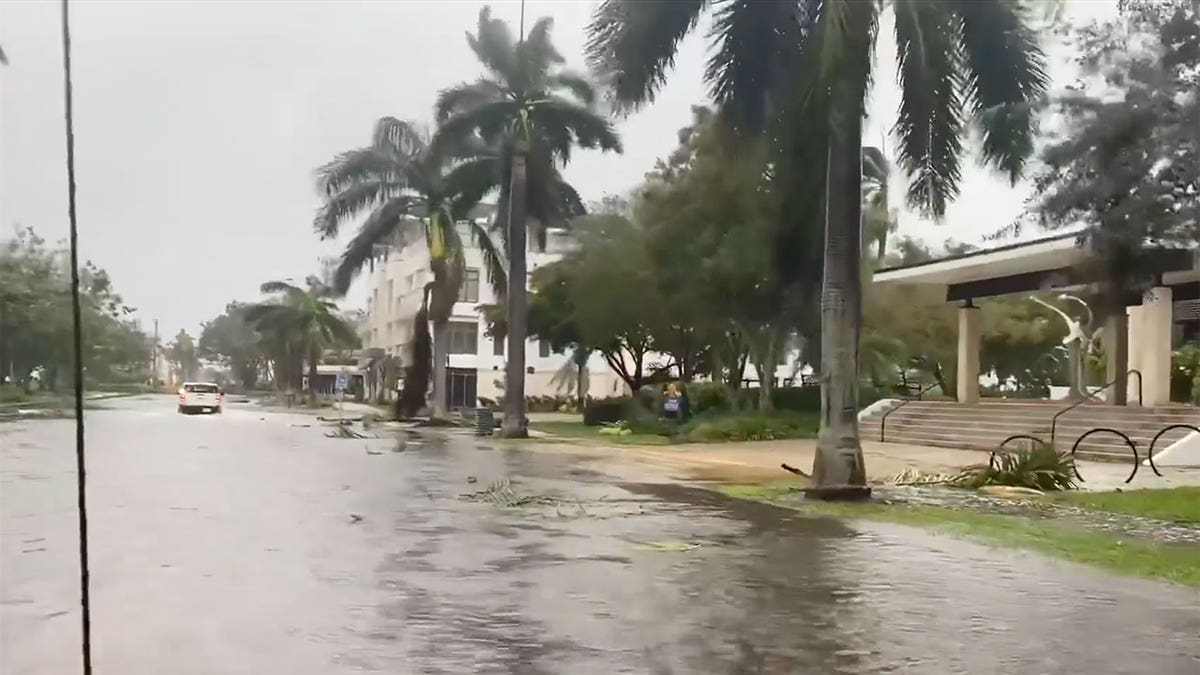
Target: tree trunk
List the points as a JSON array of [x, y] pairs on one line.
[[513, 425], [312, 374], [441, 347], [838, 468]]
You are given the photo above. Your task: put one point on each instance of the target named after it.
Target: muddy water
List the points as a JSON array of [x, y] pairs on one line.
[[250, 543]]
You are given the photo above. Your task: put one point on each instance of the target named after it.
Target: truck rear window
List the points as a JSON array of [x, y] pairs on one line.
[[200, 388]]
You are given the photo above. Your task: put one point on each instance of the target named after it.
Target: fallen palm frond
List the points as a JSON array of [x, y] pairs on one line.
[[914, 476], [1041, 468], [500, 493], [667, 546], [344, 431]]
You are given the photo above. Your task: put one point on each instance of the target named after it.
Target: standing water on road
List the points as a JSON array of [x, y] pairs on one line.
[[253, 543]]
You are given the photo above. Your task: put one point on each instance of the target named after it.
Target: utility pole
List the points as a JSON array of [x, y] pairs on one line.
[[154, 358]]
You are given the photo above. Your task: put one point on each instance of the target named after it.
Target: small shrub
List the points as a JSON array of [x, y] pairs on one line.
[[749, 427], [643, 423], [797, 399], [705, 396], [606, 410], [1041, 468]]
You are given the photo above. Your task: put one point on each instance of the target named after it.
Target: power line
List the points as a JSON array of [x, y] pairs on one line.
[[80, 469]]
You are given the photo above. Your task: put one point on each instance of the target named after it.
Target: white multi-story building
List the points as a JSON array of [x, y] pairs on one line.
[[476, 362]]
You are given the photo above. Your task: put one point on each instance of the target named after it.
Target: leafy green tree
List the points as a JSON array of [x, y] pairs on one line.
[[182, 354], [409, 190], [711, 218], [535, 113], [1129, 165], [230, 339], [35, 304], [307, 316], [802, 70]]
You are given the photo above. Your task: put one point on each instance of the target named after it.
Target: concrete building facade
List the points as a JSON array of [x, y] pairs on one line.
[[476, 361]]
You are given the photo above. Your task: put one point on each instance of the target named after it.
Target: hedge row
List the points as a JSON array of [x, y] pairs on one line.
[[712, 396]]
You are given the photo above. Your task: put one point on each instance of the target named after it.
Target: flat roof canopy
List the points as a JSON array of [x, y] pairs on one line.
[[1052, 263]]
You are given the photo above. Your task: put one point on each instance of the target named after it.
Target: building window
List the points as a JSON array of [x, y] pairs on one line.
[[543, 348], [497, 346], [464, 337], [469, 291]]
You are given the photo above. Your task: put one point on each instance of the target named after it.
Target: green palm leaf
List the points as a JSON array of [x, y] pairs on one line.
[[930, 125], [1007, 73], [632, 44]]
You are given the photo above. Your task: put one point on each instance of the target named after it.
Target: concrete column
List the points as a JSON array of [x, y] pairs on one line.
[[1134, 331], [1116, 347], [1155, 357], [968, 354]]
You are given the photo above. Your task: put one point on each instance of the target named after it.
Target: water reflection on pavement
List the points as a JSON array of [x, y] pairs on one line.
[[251, 543]]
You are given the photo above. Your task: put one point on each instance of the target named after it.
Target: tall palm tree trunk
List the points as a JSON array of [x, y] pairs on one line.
[[838, 469], [313, 357], [513, 425], [441, 348]]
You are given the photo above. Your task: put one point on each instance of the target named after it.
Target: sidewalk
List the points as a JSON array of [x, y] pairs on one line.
[[759, 461]]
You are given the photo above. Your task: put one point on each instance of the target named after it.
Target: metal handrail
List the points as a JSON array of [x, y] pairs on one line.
[[1088, 397], [883, 420]]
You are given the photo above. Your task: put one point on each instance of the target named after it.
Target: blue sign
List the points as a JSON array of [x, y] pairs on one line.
[[343, 381]]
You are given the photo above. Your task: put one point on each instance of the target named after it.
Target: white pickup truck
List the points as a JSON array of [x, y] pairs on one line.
[[199, 397]]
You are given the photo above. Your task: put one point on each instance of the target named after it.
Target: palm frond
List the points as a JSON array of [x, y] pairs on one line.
[[381, 224], [536, 56], [838, 55], [285, 287], [490, 121], [930, 123], [578, 85], [493, 260], [337, 330], [1007, 74], [589, 129], [468, 182], [467, 95], [493, 45], [756, 43], [348, 203], [876, 167], [632, 44], [399, 137]]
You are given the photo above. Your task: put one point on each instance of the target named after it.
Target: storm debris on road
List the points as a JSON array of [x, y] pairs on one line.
[[500, 493]]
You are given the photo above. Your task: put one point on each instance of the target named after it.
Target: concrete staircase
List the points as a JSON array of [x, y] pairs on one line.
[[984, 425]]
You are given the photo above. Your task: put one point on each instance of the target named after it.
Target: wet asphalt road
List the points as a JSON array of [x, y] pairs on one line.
[[241, 543]]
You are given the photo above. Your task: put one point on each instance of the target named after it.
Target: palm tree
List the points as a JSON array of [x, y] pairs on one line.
[[535, 113], [803, 68], [573, 375], [304, 316], [879, 221], [407, 188]]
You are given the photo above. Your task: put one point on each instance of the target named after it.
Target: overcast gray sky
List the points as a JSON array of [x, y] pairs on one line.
[[199, 124]]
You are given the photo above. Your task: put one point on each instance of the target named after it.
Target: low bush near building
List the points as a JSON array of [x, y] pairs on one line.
[[750, 427], [606, 410]]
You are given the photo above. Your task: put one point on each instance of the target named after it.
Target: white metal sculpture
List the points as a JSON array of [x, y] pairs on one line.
[[1078, 341]]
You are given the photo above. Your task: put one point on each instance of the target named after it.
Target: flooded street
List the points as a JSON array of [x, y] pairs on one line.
[[251, 543]]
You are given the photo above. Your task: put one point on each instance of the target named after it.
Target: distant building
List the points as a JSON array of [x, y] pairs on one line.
[[476, 362]]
